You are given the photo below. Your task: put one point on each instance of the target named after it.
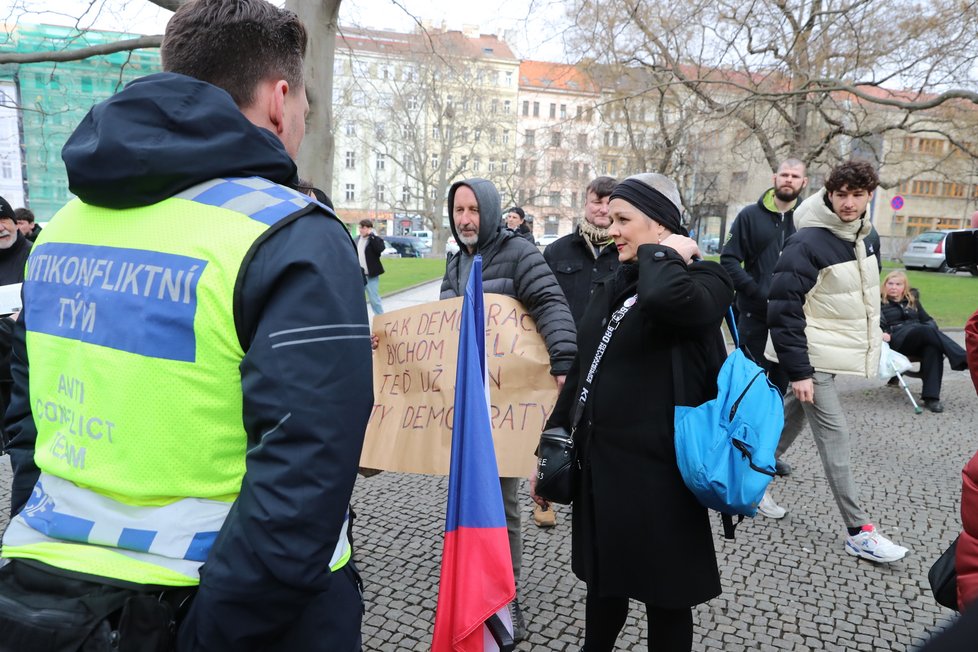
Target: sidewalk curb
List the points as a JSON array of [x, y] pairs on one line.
[[409, 288]]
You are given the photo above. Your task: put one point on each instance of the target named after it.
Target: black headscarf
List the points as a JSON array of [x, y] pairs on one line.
[[652, 203]]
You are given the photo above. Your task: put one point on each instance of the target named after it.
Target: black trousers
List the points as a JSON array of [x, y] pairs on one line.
[[925, 343], [670, 630], [753, 337]]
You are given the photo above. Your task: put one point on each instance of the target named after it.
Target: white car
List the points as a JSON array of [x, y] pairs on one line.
[[545, 240]]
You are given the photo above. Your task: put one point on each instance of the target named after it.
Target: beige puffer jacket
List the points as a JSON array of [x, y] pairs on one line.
[[824, 268]]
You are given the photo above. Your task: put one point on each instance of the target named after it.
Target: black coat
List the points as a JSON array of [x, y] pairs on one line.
[[637, 530], [375, 247], [756, 239], [899, 319], [577, 270], [12, 260]]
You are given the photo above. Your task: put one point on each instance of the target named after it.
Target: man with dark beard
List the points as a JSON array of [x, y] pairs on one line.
[[749, 255], [581, 259]]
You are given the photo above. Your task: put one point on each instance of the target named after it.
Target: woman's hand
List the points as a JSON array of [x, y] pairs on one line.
[[544, 505], [886, 337], [685, 247]]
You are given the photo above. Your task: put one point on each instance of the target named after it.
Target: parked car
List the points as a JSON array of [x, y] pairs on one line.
[[926, 251], [544, 240], [389, 252], [710, 244], [408, 246]]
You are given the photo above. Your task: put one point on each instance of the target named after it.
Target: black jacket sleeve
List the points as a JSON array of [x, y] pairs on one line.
[[696, 296], [537, 289], [735, 251], [795, 274], [307, 394], [376, 243], [20, 431]]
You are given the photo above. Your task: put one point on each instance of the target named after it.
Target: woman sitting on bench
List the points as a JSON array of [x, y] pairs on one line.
[[911, 331]]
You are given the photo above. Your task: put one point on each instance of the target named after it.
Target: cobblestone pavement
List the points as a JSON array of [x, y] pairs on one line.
[[787, 585]]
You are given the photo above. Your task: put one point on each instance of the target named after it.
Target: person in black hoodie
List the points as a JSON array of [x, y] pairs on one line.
[[749, 255], [753, 247], [209, 142], [513, 267]]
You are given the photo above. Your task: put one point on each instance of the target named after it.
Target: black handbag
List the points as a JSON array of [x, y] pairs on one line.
[[556, 466], [557, 463], [943, 578]]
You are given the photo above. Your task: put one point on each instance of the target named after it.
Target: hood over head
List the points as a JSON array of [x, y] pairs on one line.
[[490, 212], [165, 133]]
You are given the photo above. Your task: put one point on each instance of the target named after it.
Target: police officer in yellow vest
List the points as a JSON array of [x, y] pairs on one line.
[[185, 438]]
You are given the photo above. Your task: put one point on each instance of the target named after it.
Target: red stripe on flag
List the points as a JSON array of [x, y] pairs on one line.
[[476, 582]]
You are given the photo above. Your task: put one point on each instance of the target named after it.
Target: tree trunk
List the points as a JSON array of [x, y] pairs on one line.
[[316, 154]]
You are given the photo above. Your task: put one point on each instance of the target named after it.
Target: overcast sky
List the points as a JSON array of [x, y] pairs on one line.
[[528, 25]]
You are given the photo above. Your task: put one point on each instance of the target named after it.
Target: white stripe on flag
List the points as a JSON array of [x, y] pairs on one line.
[[488, 643]]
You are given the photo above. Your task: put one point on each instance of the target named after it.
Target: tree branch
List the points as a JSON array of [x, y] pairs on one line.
[[82, 53]]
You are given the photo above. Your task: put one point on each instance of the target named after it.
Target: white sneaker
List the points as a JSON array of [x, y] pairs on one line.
[[870, 544], [767, 507]]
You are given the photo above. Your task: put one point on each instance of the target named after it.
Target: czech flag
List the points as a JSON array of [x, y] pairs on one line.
[[476, 569]]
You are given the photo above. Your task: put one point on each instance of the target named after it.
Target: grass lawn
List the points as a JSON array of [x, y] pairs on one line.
[[400, 273]]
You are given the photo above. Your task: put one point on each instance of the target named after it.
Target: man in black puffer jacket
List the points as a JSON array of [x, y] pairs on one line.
[[513, 267]]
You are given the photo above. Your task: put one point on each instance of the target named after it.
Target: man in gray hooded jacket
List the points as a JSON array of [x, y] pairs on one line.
[[511, 266]]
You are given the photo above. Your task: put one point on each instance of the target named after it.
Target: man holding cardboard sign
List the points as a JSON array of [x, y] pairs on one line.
[[513, 267]]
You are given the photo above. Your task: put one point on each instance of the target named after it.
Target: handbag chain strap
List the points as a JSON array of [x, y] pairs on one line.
[[616, 318]]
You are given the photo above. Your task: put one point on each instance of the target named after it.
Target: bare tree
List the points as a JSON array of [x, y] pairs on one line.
[[810, 79]]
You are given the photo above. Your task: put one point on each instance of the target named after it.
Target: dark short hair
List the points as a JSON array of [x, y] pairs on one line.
[[25, 214], [602, 186], [515, 209], [367, 223], [235, 45], [853, 175]]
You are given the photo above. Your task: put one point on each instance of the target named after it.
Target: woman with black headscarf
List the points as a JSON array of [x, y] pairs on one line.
[[638, 532]]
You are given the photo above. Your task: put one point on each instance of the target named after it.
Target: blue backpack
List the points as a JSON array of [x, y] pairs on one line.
[[725, 447]]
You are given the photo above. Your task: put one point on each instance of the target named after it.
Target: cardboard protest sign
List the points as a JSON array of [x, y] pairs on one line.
[[410, 427]]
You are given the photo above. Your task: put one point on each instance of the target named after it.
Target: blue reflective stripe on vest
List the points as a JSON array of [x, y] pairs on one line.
[[258, 198]]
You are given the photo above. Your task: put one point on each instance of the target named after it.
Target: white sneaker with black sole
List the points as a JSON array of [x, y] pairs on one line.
[[870, 544]]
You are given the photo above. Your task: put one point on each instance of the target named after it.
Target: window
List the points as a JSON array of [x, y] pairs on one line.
[[351, 160], [436, 132], [614, 139], [6, 169], [412, 103], [738, 180], [507, 106], [494, 106], [573, 200], [477, 135], [924, 188], [551, 225], [492, 165], [536, 109], [529, 137], [954, 190], [526, 107], [506, 137], [379, 194], [563, 111], [580, 112], [555, 139], [476, 163], [448, 102], [478, 105], [522, 168], [434, 161], [931, 145], [555, 198], [553, 110], [607, 139], [509, 78], [492, 136], [351, 191], [504, 165], [555, 169], [581, 141], [351, 129], [381, 160]]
